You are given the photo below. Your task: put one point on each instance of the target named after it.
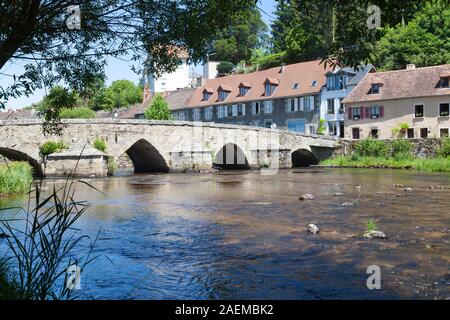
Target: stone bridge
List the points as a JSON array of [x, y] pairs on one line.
[[162, 146]]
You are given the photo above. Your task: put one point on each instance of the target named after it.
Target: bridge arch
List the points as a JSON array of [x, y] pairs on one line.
[[16, 155], [303, 158], [146, 158], [231, 157]]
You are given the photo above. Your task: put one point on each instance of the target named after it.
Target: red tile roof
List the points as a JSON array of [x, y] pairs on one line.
[[304, 73], [420, 82]]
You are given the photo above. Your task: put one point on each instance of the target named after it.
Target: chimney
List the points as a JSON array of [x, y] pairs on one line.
[[147, 93], [410, 66], [282, 67]]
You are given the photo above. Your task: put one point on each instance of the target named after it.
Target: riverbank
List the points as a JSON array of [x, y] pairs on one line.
[[15, 177], [427, 165]]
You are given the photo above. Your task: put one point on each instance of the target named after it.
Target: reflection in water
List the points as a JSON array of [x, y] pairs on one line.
[[242, 235]]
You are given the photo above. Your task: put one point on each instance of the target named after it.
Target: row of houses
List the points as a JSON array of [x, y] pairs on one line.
[[302, 97]]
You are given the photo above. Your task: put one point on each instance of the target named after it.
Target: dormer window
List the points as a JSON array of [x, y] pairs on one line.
[[295, 86], [223, 92], [444, 82], [207, 93], [313, 83], [244, 88], [375, 88], [270, 86]]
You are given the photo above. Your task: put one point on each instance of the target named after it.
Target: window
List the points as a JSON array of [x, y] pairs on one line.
[[418, 110], [313, 83], [241, 109], [268, 123], [374, 112], [375, 88], [292, 105], [196, 114], [330, 106], [206, 95], [229, 111], [269, 88], [234, 110], [444, 132], [424, 133], [221, 111], [444, 82], [243, 91], [208, 113], [410, 133], [356, 113], [443, 109], [332, 128], [295, 86], [308, 103], [374, 133], [254, 123], [255, 108], [355, 133], [341, 106], [312, 129], [268, 106], [223, 95]]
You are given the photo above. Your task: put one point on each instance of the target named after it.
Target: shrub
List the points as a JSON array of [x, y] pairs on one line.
[[371, 148], [444, 150], [321, 128], [158, 110], [371, 225], [401, 148], [100, 144], [15, 177], [112, 166], [76, 113], [50, 147], [225, 67]]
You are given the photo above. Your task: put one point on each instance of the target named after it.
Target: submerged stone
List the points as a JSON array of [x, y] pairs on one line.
[[312, 228], [306, 197], [375, 234]]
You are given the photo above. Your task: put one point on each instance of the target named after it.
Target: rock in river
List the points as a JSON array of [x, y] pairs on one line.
[[347, 204], [306, 197], [375, 234], [338, 194], [312, 228]]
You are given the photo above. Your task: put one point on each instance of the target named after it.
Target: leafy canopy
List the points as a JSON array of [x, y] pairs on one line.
[[158, 110]]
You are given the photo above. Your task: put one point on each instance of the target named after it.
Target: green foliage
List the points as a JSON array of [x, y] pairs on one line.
[[244, 33], [50, 147], [15, 177], [77, 113], [371, 225], [100, 144], [121, 93], [158, 110], [321, 129], [8, 286], [371, 148], [401, 149], [423, 41], [268, 61], [444, 150], [58, 98], [112, 166], [225, 68]]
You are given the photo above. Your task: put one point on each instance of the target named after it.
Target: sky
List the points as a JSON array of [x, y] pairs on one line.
[[116, 69]]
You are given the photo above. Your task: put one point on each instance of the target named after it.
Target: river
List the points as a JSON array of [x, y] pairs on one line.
[[242, 235]]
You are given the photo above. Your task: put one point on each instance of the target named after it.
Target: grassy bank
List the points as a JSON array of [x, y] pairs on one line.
[[370, 153], [8, 288], [430, 165], [15, 177]]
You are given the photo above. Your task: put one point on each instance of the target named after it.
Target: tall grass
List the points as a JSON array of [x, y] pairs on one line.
[[43, 243], [15, 177]]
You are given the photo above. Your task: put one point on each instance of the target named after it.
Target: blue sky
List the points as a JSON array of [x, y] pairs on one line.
[[115, 70]]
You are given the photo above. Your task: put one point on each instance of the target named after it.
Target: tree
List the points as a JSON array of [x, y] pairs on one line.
[[424, 41], [123, 93], [224, 68], [244, 33], [158, 110], [58, 98], [281, 26], [150, 32]]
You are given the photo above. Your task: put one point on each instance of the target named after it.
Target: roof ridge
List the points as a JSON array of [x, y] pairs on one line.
[[405, 70]]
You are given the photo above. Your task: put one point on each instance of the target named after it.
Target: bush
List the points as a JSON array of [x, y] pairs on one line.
[[158, 110], [269, 61], [225, 67], [371, 148], [50, 147], [76, 113], [321, 129], [15, 177], [401, 148], [444, 150], [100, 144]]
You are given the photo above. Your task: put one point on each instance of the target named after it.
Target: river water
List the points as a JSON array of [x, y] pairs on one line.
[[242, 235]]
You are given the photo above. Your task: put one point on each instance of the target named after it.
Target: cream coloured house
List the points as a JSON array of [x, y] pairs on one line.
[[410, 103]]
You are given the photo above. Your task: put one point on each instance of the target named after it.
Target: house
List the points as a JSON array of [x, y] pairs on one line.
[[410, 103], [19, 114], [340, 82], [283, 97]]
